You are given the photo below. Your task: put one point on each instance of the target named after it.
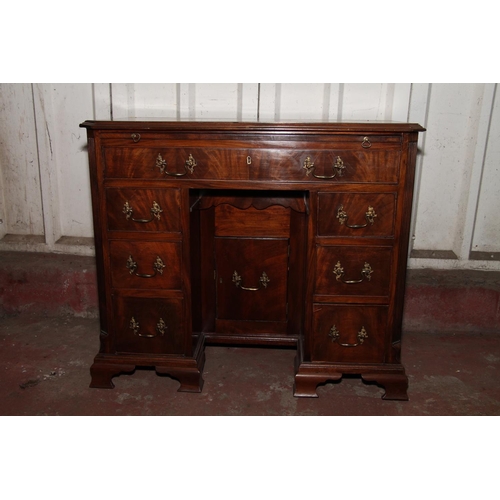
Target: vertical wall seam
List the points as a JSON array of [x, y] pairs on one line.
[[418, 168], [483, 162], [390, 94], [38, 163], [277, 101], [327, 89], [239, 102], [111, 101], [192, 101], [94, 113], [409, 103], [178, 100], [341, 101], [258, 102]]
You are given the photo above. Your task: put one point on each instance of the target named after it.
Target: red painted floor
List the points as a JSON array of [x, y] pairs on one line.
[[59, 285], [45, 371]]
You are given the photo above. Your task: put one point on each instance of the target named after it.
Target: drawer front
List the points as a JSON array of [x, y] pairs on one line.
[[319, 165], [356, 214], [349, 333], [231, 221], [134, 209], [145, 265], [171, 163], [251, 278], [353, 270], [148, 325]]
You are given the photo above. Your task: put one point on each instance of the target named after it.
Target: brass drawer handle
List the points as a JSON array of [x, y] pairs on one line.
[[335, 335], [158, 267], [338, 168], [161, 328], [155, 212], [366, 272], [189, 165], [263, 281], [366, 143], [369, 216], [135, 137]]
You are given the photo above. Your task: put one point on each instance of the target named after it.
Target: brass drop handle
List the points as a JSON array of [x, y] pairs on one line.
[[161, 328], [338, 168], [155, 212], [369, 216], [263, 281], [366, 143], [366, 273], [158, 267], [189, 165], [335, 336]]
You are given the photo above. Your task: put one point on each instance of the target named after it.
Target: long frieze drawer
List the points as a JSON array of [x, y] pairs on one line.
[[353, 270], [143, 209], [171, 163], [356, 214], [148, 325], [348, 333], [145, 265], [317, 165], [339, 166]]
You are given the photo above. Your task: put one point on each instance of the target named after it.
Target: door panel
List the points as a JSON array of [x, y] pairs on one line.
[[251, 278]]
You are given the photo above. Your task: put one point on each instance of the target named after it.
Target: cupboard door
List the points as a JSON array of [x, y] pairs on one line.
[[251, 276]]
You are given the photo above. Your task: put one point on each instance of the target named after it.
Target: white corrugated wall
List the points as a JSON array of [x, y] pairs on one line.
[[44, 182]]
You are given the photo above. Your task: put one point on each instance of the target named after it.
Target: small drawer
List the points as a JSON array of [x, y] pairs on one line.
[[148, 325], [356, 214], [175, 163], [272, 221], [145, 265], [353, 270], [143, 209], [349, 333]]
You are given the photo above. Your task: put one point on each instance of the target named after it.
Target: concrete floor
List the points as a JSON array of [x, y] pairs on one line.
[[45, 371]]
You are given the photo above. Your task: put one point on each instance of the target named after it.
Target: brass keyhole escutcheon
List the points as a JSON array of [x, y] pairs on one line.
[[249, 160]]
